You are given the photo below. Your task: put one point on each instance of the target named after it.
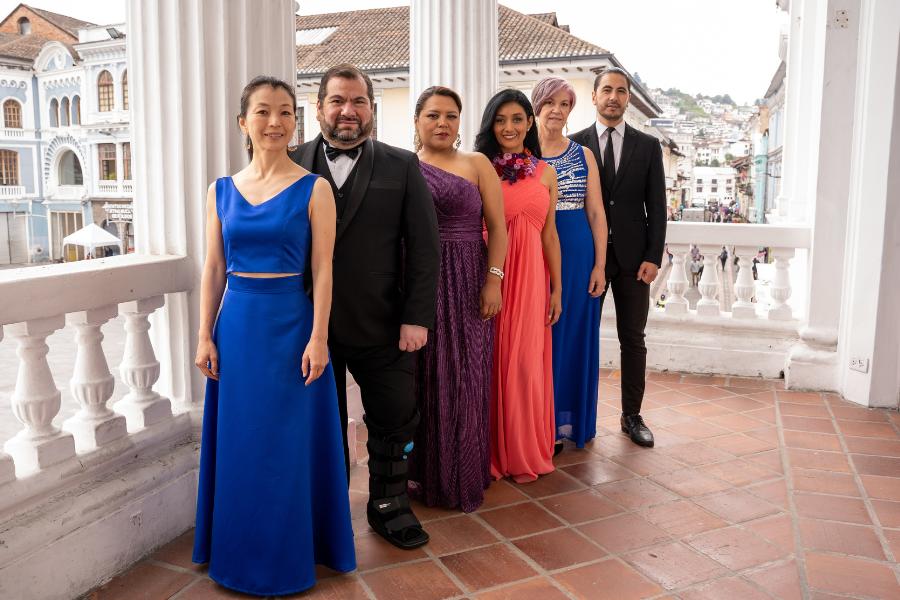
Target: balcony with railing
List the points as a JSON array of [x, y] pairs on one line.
[[114, 189], [11, 191], [101, 431]]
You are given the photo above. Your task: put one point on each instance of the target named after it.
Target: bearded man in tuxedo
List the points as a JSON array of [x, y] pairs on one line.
[[386, 267]]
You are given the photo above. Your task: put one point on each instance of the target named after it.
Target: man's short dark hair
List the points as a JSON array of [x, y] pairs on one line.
[[346, 71], [608, 71]]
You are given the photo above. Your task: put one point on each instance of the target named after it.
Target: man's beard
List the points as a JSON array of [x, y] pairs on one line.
[[334, 134], [607, 113]]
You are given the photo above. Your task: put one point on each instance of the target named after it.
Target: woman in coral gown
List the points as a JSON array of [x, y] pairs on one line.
[[522, 419]]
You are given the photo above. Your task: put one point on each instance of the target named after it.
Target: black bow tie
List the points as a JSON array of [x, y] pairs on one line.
[[332, 153]]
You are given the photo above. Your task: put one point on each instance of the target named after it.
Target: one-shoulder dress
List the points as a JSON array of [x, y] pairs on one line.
[[452, 463], [576, 336], [272, 500], [522, 429]]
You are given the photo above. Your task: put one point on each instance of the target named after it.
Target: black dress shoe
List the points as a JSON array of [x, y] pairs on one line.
[[634, 426], [557, 448]]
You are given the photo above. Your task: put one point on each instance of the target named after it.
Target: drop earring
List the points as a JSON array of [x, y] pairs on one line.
[[417, 141], [458, 141]]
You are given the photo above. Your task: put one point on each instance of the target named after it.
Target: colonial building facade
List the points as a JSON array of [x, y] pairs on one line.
[[65, 144], [530, 47]]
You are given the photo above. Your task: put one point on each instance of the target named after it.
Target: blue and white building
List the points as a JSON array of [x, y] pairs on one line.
[[65, 143]]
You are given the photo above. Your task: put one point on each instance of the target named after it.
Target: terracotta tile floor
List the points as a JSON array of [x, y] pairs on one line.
[[751, 492]]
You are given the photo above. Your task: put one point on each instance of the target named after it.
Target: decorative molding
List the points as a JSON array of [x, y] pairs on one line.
[[56, 145], [50, 84]]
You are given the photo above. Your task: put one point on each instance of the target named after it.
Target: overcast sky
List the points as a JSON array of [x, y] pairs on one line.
[[699, 46]]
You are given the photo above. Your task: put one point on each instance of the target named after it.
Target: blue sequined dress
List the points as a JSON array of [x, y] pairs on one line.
[[576, 337]]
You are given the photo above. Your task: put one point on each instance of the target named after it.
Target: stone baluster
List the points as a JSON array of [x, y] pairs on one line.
[[7, 466], [744, 287], [92, 384], [709, 285], [140, 369], [780, 290], [36, 400], [678, 283]]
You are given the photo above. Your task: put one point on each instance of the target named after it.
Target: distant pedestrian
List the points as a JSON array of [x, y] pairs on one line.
[[696, 268], [723, 257], [661, 303], [695, 251]]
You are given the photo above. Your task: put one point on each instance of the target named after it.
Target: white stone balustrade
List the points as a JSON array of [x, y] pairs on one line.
[[745, 240], [678, 283], [708, 305], [36, 400], [140, 369], [744, 287], [92, 384], [7, 465]]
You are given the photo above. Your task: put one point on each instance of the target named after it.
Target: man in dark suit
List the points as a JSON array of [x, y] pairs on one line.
[[634, 196], [386, 267]]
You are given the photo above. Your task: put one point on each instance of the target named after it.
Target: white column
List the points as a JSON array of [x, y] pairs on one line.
[[187, 64], [709, 284], [36, 400], [870, 320], [454, 43], [803, 105], [92, 384], [678, 283], [140, 369], [780, 290], [812, 362], [744, 287], [7, 465]]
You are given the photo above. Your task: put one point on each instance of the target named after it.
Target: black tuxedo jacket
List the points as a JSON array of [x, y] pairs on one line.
[[389, 202], [636, 201]]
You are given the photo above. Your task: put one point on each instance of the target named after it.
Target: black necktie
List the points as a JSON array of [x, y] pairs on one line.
[[609, 158], [332, 153]]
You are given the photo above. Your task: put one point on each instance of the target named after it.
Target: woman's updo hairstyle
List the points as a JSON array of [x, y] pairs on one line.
[[437, 90], [255, 84]]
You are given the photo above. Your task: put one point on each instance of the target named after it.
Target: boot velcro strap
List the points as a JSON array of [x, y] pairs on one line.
[[387, 448], [385, 490], [387, 505], [388, 469], [402, 522]]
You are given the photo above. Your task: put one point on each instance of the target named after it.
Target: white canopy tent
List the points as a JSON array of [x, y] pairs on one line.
[[93, 237]]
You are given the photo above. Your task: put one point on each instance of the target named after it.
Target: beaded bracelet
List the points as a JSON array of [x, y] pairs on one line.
[[496, 272]]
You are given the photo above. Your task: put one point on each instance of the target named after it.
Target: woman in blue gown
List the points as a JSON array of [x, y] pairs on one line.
[[581, 225], [272, 500]]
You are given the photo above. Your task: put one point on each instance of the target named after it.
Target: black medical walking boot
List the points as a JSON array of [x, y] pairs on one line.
[[634, 426], [388, 509]]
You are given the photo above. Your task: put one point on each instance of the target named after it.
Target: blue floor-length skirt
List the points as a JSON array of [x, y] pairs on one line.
[[272, 499], [576, 337]]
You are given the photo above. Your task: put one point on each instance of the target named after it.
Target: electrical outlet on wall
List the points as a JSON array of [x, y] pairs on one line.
[[842, 19], [859, 364]]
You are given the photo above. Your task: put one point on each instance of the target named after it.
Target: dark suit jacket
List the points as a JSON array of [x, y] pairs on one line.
[[636, 202], [389, 202]]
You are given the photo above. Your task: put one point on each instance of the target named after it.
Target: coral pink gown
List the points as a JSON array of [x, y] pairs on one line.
[[522, 417]]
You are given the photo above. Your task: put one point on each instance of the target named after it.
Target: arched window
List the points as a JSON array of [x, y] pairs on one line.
[[125, 90], [105, 92], [54, 113], [76, 110], [64, 113], [24, 26], [12, 114], [70, 169], [9, 167]]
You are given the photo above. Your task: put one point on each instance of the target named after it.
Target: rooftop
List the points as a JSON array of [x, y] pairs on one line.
[[379, 39], [707, 513]]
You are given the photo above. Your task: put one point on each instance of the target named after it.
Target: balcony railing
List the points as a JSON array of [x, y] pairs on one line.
[[74, 192], [42, 459], [15, 133], [12, 191], [114, 188]]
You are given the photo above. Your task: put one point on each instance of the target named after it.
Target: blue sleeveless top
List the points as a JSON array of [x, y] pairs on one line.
[[272, 237], [571, 177]]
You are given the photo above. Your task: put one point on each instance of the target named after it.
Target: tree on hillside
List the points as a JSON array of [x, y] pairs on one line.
[[715, 162]]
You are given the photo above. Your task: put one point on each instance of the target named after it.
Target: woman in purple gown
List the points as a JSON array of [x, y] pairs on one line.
[[451, 463]]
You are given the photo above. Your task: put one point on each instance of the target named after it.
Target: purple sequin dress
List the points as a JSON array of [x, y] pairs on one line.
[[451, 463]]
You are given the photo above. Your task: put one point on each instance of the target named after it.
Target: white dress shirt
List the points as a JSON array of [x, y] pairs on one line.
[[618, 139], [341, 166]]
